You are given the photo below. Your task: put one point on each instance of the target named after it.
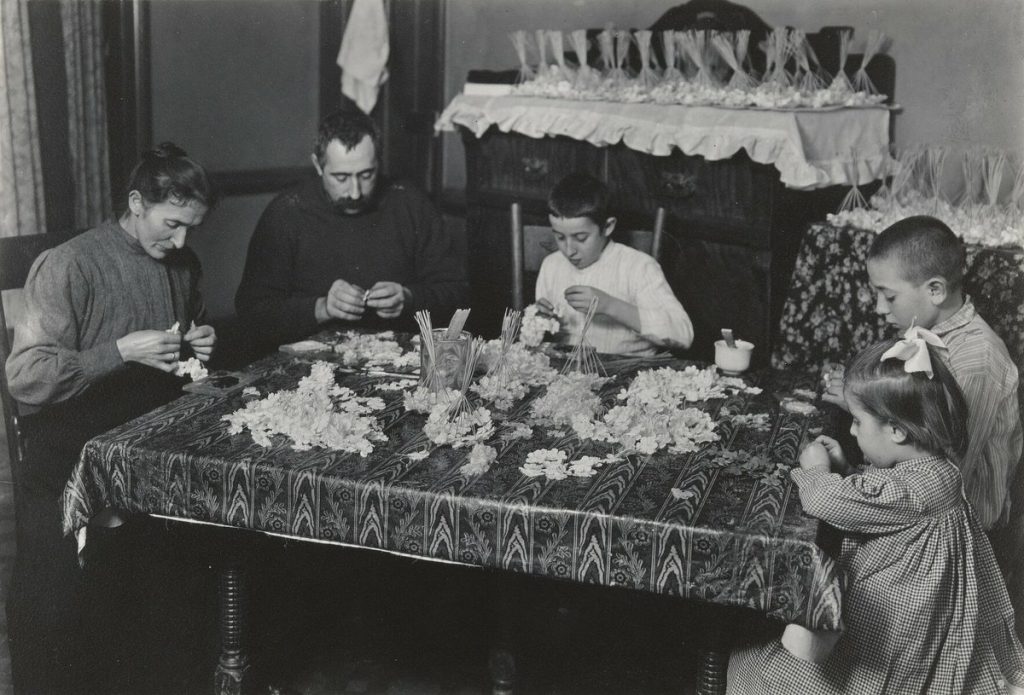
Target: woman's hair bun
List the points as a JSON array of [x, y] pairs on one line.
[[165, 150]]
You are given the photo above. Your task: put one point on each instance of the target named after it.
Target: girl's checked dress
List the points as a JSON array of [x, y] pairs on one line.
[[925, 607]]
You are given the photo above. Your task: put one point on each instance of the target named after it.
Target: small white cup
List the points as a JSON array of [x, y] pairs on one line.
[[733, 360]]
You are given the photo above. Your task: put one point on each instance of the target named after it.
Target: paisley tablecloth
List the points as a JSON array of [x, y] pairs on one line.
[[809, 148], [681, 525], [829, 312]]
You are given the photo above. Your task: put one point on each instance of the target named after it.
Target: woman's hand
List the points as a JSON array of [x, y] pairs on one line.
[[834, 382], [202, 339], [157, 349]]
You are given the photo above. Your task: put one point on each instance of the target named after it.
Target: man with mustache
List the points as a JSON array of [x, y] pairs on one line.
[[347, 247]]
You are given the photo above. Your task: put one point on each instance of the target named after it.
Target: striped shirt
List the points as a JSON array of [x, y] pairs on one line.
[[626, 274], [988, 378]]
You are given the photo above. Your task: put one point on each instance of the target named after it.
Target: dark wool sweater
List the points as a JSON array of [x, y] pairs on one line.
[[301, 246]]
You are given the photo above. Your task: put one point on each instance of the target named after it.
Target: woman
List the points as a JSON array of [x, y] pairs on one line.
[[93, 352]]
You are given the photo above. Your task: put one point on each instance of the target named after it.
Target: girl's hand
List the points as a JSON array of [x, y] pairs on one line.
[[202, 339], [835, 452], [580, 296], [815, 457], [157, 349]]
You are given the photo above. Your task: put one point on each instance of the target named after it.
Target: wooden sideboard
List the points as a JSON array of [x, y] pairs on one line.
[[732, 228]]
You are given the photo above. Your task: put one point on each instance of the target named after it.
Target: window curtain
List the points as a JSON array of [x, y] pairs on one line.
[[22, 210], [87, 112]]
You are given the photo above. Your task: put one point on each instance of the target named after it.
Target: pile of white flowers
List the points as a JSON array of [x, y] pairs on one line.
[[569, 397], [318, 412], [374, 350], [423, 400], [653, 415], [192, 368], [535, 326]]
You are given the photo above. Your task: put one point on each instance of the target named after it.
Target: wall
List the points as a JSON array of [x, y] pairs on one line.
[[959, 65], [236, 83]]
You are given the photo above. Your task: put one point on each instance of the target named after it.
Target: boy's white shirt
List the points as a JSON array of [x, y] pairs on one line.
[[626, 274]]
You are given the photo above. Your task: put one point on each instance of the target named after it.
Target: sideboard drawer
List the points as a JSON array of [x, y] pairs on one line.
[[527, 167], [734, 197]]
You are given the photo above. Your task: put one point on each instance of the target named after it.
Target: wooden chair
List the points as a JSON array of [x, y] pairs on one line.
[[16, 257], [532, 243]]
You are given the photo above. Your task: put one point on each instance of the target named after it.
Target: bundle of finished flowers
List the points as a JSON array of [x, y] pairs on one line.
[[534, 326], [318, 412], [523, 369]]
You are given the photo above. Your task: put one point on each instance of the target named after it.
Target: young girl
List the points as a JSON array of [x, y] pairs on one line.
[[925, 608], [636, 309]]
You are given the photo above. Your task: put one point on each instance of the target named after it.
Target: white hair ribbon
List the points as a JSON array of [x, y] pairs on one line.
[[913, 350]]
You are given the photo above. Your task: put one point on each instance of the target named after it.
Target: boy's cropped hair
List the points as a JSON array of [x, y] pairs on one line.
[[925, 248], [580, 195]]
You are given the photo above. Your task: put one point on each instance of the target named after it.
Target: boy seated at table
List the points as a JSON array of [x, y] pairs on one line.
[[636, 310], [916, 268]]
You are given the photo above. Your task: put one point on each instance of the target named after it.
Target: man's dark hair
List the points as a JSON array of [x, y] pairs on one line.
[[349, 126], [580, 195], [924, 247]]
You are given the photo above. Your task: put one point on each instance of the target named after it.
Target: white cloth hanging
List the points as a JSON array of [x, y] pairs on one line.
[[363, 56]]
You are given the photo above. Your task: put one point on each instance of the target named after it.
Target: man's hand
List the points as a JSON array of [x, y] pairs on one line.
[[202, 339], [343, 301], [157, 349], [580, 296], [388, 299]]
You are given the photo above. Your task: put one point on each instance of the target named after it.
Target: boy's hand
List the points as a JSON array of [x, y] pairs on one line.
[[834, 382], [815, 457], [580, 296], [202, 339], [545, 309]]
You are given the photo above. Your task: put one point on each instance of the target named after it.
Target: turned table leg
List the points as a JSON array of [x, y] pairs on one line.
[[234, 660], [712, 665]]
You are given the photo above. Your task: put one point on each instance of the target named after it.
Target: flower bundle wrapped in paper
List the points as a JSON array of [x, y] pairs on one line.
[[976, 215], [861, 81], [691, 59], [520, 41]]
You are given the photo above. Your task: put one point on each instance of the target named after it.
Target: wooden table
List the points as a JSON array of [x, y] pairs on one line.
[[685, 526]]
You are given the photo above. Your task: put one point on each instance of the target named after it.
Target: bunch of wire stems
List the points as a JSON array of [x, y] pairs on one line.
[[583, 358], [461, 406], [430, 379], [509, 330]]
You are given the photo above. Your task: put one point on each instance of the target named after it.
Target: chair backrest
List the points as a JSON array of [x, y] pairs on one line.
[[532, 243], [16, 257]]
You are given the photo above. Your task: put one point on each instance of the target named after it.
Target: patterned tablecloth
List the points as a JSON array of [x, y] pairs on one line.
[[829, 313], [693, 526]]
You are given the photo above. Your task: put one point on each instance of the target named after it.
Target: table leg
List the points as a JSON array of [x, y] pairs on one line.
[[504, 597], [502, 666], [712, 665], [234, 660]]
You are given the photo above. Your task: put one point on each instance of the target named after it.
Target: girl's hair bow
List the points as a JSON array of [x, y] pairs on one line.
[[913, 350]]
